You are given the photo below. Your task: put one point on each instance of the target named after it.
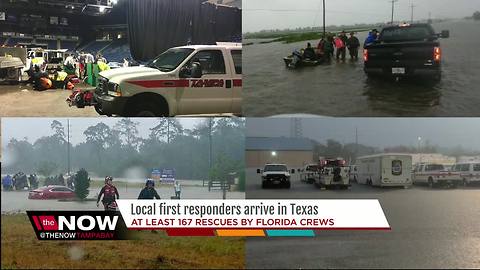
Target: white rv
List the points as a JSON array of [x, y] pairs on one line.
[[385, 170]]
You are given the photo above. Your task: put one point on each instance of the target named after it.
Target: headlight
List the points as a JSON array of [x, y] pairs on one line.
[[114, 90]]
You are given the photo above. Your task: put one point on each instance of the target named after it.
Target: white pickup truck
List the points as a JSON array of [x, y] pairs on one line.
[[187, 80], [308, 173], [435, 174], [275, 174]]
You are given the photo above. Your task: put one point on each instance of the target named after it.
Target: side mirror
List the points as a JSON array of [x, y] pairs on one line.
[[259, 171], [293, 170], [196, 71], [445, 34], [184, 73]]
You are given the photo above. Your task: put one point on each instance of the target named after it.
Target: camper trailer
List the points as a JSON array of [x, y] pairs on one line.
[[385, 170]]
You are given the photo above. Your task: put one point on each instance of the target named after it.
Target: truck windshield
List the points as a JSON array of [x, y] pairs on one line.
[[170, 59], [406, 33], [275, 168]]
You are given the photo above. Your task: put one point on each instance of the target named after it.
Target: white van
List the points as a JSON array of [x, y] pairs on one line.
[[468, 172], [385, 170]]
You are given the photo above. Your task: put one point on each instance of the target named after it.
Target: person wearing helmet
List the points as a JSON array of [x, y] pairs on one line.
[[149, 192], [109, 192]]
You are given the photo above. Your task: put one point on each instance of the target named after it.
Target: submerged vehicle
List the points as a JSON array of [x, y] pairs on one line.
[[405, 50]]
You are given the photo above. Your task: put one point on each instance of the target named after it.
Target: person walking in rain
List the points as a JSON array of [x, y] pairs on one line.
[[341, 47], [149, 192], [353, 44], [178, 189]]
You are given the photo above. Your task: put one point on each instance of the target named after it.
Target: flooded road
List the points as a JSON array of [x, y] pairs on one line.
[[17, 201], [430, 229], [342, 89]]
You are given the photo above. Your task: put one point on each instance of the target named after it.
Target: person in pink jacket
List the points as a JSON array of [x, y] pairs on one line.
[[340, 44]]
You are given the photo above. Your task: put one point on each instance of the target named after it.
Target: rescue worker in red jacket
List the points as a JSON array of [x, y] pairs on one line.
[[109, 191]]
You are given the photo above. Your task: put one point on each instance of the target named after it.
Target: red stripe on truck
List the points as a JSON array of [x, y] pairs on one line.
[[237, 83], [161, 83]]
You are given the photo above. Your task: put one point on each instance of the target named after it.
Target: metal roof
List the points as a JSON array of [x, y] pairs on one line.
[[278, 144]]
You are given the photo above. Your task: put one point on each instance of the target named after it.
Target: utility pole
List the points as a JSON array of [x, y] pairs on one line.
[[210, 154], [324, 27], [68, 146], [356, 142], [412, 6], [393, 8]]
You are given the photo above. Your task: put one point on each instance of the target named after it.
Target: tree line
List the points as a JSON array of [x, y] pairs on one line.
[[351, 151], [118, 150]]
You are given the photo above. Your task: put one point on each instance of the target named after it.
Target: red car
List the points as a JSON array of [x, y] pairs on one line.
[[52, 192]]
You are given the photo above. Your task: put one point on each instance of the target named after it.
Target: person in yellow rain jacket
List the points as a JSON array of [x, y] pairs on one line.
[[102, 66]]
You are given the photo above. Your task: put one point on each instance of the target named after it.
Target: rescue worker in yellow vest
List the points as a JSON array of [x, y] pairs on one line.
[[59, 78]]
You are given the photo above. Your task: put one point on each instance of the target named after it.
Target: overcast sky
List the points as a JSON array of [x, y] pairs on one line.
[[281, 14], [378, 132], [34, 128]]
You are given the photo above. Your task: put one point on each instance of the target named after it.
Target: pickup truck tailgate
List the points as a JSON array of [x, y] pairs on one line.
[[406, 54]]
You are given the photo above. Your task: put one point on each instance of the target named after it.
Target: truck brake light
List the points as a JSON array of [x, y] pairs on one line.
[[437, 54], [365, 55]]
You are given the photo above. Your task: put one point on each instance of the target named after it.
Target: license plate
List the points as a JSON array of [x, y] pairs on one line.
[[398, 70]]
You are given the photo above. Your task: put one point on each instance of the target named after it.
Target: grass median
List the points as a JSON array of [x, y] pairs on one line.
[[21, 249]]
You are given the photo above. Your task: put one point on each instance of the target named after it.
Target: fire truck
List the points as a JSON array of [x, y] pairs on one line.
[[333, 173]]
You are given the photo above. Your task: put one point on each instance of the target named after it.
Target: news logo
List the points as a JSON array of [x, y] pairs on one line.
[[78, 225]]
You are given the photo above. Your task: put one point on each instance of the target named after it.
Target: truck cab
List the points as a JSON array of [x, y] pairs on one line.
[[308, 173], [187, 80], [275, 174]]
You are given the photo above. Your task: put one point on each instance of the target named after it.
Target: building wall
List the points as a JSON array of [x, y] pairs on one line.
[[293, 159], [433, 158]]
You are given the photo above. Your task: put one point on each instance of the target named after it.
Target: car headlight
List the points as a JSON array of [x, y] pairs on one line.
[[114, 89]]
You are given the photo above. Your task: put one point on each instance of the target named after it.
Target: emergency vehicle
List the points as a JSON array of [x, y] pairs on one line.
[[332, 173], [385, 170], [434, 174], [468, 172], [196, 79]]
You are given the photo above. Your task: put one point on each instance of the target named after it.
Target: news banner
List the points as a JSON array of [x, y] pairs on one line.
[[211, 218]]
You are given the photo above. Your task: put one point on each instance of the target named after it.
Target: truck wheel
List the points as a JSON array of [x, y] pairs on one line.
[[431, 184], [264, 184], [146, 108], [287, 185]]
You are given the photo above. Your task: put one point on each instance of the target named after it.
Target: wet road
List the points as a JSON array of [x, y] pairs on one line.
[[430, 229], [15, 201], [342, 89]]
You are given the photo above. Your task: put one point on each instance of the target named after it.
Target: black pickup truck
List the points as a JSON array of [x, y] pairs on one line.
[[405, 50]]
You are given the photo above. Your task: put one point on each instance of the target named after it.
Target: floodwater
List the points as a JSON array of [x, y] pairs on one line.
[[17, 201], [342, 89], [431, 228]]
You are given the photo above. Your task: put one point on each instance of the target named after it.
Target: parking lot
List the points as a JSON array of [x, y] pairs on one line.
[[431, 228]]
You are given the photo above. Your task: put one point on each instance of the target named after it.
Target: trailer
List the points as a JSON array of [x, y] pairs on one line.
[[12, 61], [385, 170]]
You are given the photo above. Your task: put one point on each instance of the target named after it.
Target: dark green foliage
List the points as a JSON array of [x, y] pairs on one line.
[[82, 183]]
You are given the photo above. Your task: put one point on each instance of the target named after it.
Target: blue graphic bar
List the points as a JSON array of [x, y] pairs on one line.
[[299, 233]]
